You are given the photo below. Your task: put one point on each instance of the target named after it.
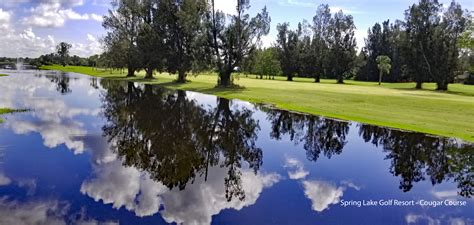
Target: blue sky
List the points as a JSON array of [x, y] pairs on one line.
[[34, 27]]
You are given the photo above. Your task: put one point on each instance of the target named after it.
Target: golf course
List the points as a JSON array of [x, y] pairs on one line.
[[394, 105]]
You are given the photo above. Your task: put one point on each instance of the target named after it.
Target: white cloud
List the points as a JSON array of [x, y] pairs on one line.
[[322, 194], [4, 180], [51, 118], [335, 9], [5, 17], [226, 6], [51, 212], [299, 3], [30, 213], [360, 36], [351, 185], [416, 219], [130, 188], [27, 44], [91, 47], [449, 194], [55, 14], [298, 172]]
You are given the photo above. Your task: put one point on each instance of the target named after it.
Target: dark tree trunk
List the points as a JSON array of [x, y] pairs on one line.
[[340, 80], [224, 78], [181, 76], [130, 71], [442, 86], [289, 78], [317, 79], [419, 85], [149, 73]]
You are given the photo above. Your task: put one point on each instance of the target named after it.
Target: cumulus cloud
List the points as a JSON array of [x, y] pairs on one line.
[[51, 212], [54, 14], [31, 213], [92, 46], [297, 170], [51, 118], [322, 194], [5, 17], [133, 189]]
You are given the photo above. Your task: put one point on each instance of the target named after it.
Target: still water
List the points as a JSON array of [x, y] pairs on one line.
[[108, 152]]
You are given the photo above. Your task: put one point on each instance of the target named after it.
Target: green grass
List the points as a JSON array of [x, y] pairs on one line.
[[3, 75], [396, 105], [6, 110]]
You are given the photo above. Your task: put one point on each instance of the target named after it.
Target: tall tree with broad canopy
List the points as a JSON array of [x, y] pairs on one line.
[[433, 40], [287, 46], [321, 24], [123, 25], [63, 52], [234, 40], [183, 23], [342, 46], [150, 40]]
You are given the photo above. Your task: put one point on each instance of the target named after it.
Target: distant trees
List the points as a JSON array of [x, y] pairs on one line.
[[63, 52], [266, 63], [425, 47], [192, 35], [384, 65], [325, 48]]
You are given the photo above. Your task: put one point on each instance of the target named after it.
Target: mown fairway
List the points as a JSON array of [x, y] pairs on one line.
[[396, 105]]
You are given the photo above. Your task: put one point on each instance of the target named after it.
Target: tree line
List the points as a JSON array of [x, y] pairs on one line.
[[431, 44], [186, 36]]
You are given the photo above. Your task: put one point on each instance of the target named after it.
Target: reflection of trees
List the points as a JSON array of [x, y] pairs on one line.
[[416, 157], [61, 80], [318, 135], [175, 139]]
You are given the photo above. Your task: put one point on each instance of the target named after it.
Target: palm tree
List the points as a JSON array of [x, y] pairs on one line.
[[384, 65]]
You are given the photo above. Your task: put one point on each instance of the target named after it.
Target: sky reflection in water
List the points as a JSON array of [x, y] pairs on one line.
[[100, 151]]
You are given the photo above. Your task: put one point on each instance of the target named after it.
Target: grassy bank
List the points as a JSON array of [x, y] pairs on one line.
[[6, 110], [3, 75], [397, 105]]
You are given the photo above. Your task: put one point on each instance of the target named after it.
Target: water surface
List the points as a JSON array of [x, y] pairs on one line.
[[101, 151]]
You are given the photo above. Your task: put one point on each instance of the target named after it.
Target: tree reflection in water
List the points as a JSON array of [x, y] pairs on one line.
[[318, 135], [61, 80], [174, 139], [416, 157]]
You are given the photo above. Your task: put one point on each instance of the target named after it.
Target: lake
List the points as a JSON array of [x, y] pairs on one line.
[[104, 152]]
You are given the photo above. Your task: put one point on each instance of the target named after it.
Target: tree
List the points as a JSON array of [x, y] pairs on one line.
[[287, 45], [124, 22], [183, 26], [433, 41], [321, 24], [63, 51], [384, 65], [342, 46], [266, 63], [233, 41], [150, 40]]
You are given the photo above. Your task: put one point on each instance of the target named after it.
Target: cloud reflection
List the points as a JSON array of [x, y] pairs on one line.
[[54, 118], [127, 187]]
